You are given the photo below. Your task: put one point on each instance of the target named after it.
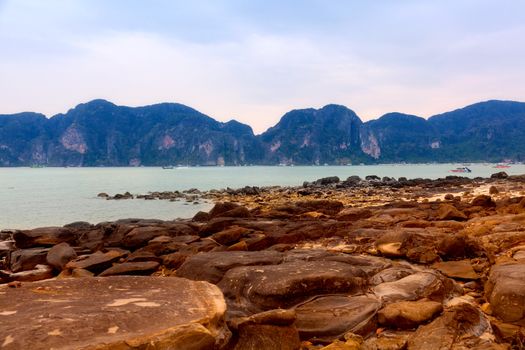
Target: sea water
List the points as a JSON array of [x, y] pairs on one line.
[[36, 197]]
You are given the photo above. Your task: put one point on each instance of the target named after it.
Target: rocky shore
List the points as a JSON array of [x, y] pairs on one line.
[[354, 264]]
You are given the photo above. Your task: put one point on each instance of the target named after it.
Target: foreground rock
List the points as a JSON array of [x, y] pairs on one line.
[[94, 313]]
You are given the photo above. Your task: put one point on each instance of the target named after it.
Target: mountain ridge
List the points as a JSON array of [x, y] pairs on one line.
[[101, 133]]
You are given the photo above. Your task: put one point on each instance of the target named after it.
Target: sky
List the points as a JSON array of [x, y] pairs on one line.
[[255, 60]]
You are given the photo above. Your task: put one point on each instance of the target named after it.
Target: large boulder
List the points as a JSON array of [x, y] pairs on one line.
[[260, 288], [27, 259], [44, 236], [113, 313], [60, 255], [212, 266], [505, 290]]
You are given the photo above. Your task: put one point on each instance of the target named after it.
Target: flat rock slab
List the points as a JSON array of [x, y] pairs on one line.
[[457, 269], [329, 317], [120, 312]]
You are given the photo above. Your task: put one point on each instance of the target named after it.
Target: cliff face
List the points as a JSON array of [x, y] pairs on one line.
[[99, 133], [310, 136]]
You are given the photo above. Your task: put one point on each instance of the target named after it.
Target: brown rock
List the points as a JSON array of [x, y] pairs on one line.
[[222, 207], [272, 329], [44, 236], [97, 261], [409, 314], [457, 269], [212, 266], [460, 327], [413, 287], [260, 288], [97, 313], [449, 212], [325, 206], [505, 290], [356, 314], [40, 272], [174, 260], [140, 236], [60, 255], [354, 214], [493, 190], [483, 201], [230, 235], [27, 259], [131, 268]]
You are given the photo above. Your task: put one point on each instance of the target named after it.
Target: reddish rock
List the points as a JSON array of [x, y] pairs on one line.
[[113, 313], [212, 266], [409, 314], [27, 259], [505, 290], [131, 268], [60, 255], [260, 288], [97, 261], [356, 314], [44, 236]]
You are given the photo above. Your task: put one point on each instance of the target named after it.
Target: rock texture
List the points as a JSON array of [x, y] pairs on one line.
[[341, 264], [94, 314]]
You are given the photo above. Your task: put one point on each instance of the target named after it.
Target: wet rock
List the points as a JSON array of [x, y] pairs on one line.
[[96, 262], [260, 288], [460, 327], [212, 266], [44, 236], [113, 313], [409, 314], [356, 314], [413, 287], [27, 259], [457, 269], [60, 255], [505, 290]]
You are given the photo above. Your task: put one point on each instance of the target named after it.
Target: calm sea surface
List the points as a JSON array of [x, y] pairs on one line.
[[57, 196]]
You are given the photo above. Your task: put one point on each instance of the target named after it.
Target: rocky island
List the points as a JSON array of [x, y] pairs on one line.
[[334, 264]]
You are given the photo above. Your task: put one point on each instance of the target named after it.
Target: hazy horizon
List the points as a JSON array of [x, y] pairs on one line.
[[255, 61]]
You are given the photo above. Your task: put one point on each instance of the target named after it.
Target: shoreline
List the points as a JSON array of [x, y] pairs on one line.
[[397, 259]]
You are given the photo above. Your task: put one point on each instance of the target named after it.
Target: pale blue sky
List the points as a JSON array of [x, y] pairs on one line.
[[255, 60]]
